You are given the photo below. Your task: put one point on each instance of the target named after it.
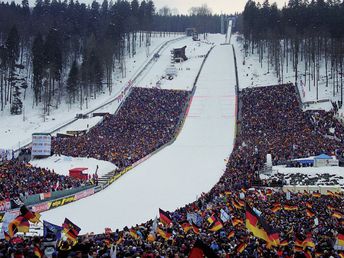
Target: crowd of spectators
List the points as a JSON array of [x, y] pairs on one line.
[[20, 179], [147, 120], [271, 122]]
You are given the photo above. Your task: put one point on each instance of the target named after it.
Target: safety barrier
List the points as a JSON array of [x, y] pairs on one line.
[[56, 202], [36, 198]]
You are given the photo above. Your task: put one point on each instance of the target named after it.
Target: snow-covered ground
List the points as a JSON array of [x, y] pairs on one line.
[[186, 71], [309, 175], [62, 164], [177, 174], [16, 131]]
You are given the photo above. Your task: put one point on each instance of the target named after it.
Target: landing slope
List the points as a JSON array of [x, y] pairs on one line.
[[180, 172]]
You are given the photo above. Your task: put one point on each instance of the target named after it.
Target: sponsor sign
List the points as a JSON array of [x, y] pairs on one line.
[[41, 144], [84, 194], [41, 207]]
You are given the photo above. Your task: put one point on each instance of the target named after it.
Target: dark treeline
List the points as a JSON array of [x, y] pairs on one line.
[[66, 51], [305, 36], [202, 23]]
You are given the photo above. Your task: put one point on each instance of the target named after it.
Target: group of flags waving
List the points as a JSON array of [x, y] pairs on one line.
[[68, 231], [22, 222], [254, 222]]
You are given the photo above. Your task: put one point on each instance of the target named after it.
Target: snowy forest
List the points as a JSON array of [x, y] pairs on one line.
[[66, 51], [305, 36]]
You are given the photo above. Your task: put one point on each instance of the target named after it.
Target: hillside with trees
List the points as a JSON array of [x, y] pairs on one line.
[[67, 51], [304, 36]]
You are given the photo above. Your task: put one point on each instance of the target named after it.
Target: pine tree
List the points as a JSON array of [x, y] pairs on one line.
[[73, 82]]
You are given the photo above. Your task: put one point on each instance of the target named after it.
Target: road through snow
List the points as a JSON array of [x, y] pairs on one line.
[[177, 174]]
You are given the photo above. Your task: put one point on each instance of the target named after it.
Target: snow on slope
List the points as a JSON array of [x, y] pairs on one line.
[[15, 132], [62, 164], [187, 71], [178, 173]]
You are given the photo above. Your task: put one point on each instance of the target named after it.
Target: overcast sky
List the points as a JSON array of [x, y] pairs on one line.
[[217, 6]]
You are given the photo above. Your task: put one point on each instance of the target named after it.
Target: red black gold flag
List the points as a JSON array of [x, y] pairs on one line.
[[337, 214], [231, 234], [38, 252], [310, 213], [164, 217], [33, 217], [195, 228], [19, 224], [164, 234], [216, 226], [185, 225], [240, 248], [70, 229], [340, 238], [290, 207], [316, 194]]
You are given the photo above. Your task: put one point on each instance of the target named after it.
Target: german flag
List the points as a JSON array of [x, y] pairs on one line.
[[290, 207], [276, 207], [241, 203], [120, 240], [298, 242], [185, 225], [231, 234], [19, 224], [272, 234], [195, 228], [236, 204], [284, 243], [164, 234], [38, 252], [310, 213], [252, 220], [33, 217], [330, 207], [243, 190], [7, 236], [240, 248], [237, 221], [340, 238], [133, 233], [316, 194], [216, 226], [308, 205], [330, 193], [228, 193], [70, 230], [337, 214], [308, 242], [211, 219], [165, 218]]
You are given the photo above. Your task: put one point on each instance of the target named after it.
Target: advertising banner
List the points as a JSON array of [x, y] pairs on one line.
[[41, 144]]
